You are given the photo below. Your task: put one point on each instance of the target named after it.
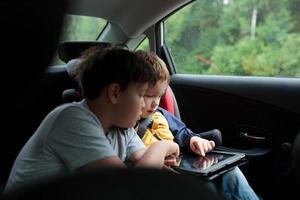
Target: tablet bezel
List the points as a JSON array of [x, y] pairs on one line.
[[223, 165]]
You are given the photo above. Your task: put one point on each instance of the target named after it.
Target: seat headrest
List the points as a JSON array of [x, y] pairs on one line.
[[73, 49], [71, 66]]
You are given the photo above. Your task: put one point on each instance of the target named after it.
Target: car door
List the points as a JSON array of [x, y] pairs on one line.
[[240, 81], [247, 117]]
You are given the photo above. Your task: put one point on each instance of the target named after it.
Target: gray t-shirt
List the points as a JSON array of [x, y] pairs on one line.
[[68, 138]]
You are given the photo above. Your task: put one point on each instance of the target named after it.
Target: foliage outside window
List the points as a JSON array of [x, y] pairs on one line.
[[80, 28], [236, 37], [144, 45]]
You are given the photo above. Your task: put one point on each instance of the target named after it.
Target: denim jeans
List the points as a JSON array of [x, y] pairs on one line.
[[233, 185]]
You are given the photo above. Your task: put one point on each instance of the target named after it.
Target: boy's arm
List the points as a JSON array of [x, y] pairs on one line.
[[109, 162], [181, 133], [187, 139], [136, 156], [154, 156]]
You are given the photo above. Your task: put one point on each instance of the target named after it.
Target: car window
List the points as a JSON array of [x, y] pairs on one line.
[[144, 45], [228, 37], [80, 28]]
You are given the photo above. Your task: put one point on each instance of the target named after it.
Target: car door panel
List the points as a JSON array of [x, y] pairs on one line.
[[259, 116], [234, 107]]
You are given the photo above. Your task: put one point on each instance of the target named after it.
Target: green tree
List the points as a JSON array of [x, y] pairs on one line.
[[191, 45], [236, 37]]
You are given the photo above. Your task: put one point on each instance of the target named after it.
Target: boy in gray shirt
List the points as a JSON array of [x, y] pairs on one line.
[[95, 132]]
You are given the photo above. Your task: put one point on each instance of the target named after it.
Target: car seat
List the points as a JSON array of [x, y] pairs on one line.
[[169, 103]]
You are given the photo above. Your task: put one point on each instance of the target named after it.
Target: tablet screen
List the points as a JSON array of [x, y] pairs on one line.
[[212, 161]]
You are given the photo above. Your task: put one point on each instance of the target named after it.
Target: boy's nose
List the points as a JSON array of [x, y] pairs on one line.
[[155, 102], [143, 104]]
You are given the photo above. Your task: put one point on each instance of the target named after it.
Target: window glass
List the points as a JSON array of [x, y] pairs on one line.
[[80, 28], [236, 37], [144, 45]]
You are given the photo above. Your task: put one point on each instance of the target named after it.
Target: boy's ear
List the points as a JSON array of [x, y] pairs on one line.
[[113, 91]]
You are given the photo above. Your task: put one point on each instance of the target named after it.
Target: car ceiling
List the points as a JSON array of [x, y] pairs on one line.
[[133, 17]]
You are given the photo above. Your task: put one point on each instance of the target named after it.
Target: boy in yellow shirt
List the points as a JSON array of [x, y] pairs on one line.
[[157, 127], [154, 126]]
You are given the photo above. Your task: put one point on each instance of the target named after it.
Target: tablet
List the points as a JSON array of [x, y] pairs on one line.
[[211, 165]]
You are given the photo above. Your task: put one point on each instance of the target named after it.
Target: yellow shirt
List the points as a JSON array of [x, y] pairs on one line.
[[159, 130]]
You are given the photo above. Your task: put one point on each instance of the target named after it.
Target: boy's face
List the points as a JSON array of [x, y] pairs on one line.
[[130, 105], [152, 97]]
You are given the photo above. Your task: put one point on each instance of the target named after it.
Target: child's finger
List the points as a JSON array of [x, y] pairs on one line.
[[170, 160], [199, 149], [212, 143]]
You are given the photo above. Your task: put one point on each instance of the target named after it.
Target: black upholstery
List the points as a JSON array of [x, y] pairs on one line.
[[116, 184], [28, 40], [29, 37], [214, 135], [296, 157]]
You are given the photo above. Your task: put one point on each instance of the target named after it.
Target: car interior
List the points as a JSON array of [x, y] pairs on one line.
[[257, 115], [21, 97]]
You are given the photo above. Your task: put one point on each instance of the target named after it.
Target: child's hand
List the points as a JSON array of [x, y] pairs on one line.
[[173, 152], [201, 146], [170, 160], [172, 148], [156, 154]]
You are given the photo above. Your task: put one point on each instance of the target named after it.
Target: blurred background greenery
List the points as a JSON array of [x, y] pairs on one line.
[[223, 37], [236, 37]]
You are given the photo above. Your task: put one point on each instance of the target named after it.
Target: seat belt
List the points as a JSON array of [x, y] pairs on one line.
[[142, 126]]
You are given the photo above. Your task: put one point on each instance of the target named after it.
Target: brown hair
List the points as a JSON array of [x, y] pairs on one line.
[[159, 66], [114, 64]]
